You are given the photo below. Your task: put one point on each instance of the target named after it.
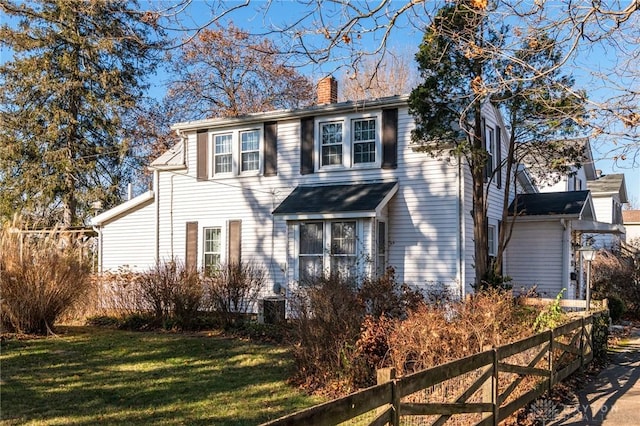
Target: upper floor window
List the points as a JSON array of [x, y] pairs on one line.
[[223, 154], [236, 152], [364, 141], [331, 135], [351, 141], [250, 148]]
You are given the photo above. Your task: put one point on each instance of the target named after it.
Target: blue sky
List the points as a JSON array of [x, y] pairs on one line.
[[406, 38]]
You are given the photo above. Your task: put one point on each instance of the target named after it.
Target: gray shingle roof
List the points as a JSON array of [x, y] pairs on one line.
[[335, 198], [550, 203], [609, 184]]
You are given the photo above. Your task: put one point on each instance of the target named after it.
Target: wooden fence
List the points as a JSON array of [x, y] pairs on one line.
[[489, 387]]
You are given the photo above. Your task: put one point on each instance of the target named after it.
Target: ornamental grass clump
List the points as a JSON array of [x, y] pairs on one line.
[[42, 277]]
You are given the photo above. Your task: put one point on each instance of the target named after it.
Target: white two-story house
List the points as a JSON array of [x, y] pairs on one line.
[[333, 187]]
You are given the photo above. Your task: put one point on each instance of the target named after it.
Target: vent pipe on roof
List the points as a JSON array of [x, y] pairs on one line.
[[327, 90], [129, 191]]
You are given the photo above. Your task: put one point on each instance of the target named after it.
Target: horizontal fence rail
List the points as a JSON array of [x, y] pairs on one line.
[[497, 382]]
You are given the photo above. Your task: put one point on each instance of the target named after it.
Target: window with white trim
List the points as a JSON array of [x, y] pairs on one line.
[[351, 141], [236, 152], [490, 146], [364, 140], [331, 143], [223, 154], [327, 247], [491, 240], [212, 249], [311, 251], [250, 150]]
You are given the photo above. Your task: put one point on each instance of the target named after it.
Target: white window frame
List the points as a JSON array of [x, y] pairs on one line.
[[490, 145], [206, 252], [236, 152], [214, 155], [242, 152], [376, 151], [492, 239], [327, 244], [347, 141]]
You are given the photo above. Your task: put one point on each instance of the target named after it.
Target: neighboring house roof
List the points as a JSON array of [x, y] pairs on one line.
[[125, 207], [172, 159], [363, 200], [631, 217], [609, 185], [569, 203]]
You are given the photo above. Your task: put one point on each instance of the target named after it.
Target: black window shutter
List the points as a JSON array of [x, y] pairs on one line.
[[235, 227], [390, 138], [191, 255], [201, 155], [271, 148], [306, 145], [499, 156]]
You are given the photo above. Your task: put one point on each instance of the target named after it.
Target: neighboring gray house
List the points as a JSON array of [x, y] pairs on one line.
[[336, 186]]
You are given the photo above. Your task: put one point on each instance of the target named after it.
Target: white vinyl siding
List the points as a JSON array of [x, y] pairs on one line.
[[534, 257]]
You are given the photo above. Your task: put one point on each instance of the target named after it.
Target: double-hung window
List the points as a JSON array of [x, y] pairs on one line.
[[250, 150], [311, 251], [212, 249], [331, 143], [350, 141], [364, 140], [223, 153], [343, 249]]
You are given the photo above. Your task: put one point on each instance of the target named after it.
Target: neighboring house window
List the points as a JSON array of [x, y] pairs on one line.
[[223, 156], [490, 146], [491, 240], [212, 249], [364, 141], [343, 248], [331, 140], [311, 251], [250, 150]]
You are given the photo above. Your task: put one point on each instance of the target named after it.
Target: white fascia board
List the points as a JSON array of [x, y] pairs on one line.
[[122, 208], [327, 216], [597, 227]]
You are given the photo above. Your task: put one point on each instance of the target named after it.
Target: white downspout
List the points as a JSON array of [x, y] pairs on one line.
[[156, 190], [566, 261], [460, 270]]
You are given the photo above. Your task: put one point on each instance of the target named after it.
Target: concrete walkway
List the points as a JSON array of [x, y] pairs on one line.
[[613, 398]]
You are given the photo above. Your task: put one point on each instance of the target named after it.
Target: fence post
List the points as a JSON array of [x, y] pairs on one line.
[[582, 337], [495, 394], [385, 375], [551, 365]]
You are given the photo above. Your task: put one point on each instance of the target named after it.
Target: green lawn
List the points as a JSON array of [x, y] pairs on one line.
[[90, 375]]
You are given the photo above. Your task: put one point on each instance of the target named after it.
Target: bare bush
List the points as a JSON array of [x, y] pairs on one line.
[[617, 275], [233, 289], [433, 335], [173, 292], [42, 276]]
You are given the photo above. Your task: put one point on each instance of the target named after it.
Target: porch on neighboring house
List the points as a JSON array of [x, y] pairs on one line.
[[549, 230]]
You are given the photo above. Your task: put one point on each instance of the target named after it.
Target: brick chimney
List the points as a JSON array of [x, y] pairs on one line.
[[327, 90]]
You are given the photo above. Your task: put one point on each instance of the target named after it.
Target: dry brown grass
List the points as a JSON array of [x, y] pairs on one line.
[[42, 276]]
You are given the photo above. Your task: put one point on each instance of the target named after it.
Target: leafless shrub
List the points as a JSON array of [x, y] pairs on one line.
[[617, 276], [42, 276], [435, 334], [173, 291], [233, 289]]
